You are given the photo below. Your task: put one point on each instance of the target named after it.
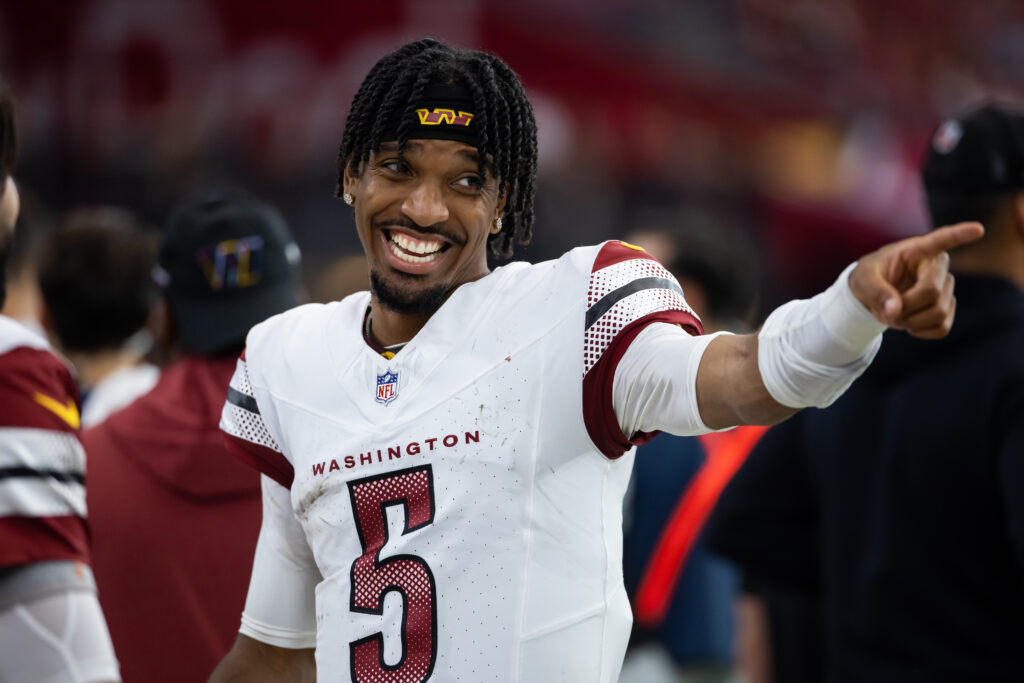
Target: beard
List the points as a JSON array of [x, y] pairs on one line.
[[406, 302]]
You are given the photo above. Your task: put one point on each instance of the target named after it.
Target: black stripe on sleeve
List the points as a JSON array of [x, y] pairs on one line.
[[237, 398], [28, 472], [595, 312]]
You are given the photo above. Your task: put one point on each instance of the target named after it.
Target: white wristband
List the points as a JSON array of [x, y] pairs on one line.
[[810, 351]]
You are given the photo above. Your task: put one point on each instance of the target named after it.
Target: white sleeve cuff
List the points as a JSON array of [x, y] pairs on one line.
[[846, 319], [280, 608], [655, 386], [810, 351], [276, 636]]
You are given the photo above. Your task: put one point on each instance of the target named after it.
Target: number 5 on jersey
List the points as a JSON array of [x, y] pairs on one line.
[[409, 575]]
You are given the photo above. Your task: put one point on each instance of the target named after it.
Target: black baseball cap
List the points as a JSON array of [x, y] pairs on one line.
[[227, 262], [974, 157]]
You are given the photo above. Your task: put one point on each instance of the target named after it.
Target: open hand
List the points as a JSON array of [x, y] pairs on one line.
[[907, 285]]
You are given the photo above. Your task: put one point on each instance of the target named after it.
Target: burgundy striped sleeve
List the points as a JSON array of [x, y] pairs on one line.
[[246, 433], [628, 290]]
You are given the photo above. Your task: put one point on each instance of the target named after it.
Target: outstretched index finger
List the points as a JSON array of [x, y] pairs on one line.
[[944, 239]]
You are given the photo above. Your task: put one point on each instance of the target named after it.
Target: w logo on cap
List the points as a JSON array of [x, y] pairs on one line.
[[434, 117], [233, 263]]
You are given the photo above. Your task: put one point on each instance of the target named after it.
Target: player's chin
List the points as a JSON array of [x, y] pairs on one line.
[[407, 294]]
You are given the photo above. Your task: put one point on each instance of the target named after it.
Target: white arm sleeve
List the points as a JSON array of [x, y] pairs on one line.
[[280, 608], [655, 386], [810, 351]]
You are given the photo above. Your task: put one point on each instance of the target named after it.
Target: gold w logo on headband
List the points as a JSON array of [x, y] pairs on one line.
[[434, 117]]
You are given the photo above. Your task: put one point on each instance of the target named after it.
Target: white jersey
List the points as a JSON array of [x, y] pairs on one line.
[[462, 500]]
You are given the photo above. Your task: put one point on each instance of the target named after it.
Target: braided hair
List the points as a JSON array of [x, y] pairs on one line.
[[507, 129]]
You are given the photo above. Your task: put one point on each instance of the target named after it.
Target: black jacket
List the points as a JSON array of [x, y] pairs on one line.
[[905, 500]]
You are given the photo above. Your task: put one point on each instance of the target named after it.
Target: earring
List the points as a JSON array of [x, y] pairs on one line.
[[497, 222], [347, 198]]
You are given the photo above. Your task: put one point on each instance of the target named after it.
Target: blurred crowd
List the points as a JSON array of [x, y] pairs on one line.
[[800, 122], [754, 147]]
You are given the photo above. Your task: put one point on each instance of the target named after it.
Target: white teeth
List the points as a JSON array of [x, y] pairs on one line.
[[409, 258], [414, 245]]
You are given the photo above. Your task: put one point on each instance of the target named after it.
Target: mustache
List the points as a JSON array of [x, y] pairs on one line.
[[405, 222]]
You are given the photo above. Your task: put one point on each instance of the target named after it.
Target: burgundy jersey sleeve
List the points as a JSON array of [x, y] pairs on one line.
[[37, 391], [42, 463], [246, 433], [628, 290]]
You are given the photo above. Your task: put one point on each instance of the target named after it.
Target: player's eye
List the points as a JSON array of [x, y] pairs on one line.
[[395, 166], [472, 182]]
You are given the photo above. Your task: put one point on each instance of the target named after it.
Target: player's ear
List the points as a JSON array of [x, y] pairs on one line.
[[350, 179], [499, 211]]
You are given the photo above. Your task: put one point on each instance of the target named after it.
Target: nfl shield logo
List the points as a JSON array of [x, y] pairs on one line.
[[387, 387]]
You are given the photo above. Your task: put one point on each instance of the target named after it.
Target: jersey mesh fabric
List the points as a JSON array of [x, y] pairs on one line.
[[611, 278]]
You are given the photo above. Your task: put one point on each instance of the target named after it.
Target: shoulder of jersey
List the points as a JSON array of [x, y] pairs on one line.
[[15, 335], [36, 386], [553, 285], [568, 268], [297, 338], [582, 263], [616, 251], [26, 354], [596, 257]]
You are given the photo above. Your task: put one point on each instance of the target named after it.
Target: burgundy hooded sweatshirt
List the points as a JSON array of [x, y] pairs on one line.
[[174, 520]]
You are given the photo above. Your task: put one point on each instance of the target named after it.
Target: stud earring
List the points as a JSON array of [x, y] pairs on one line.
[[497, 222], [347, 198]]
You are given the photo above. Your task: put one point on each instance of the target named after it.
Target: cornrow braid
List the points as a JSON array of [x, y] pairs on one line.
[[507, 130], [523, 119], [417, 91]]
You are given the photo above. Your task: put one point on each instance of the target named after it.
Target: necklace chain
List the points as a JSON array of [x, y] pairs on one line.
[[368, 335]]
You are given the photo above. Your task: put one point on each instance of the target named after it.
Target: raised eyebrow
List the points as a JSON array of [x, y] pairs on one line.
[[465, 154], [389, 147], [469, 156]]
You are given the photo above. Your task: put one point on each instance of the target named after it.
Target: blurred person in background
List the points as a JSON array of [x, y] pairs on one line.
[[95, 273], [52, 629], [682, 596], [909, 490], [766, 521], [23, 302], [176, 516]]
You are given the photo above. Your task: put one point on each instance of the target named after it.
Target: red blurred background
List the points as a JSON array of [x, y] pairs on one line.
[[801, 121]]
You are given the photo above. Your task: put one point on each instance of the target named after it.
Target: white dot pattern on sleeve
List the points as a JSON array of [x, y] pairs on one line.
[[240, 380], [244, 423], [250, 426], [599, 336]]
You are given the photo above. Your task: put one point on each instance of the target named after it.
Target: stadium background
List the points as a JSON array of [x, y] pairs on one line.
[[801, 121]]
